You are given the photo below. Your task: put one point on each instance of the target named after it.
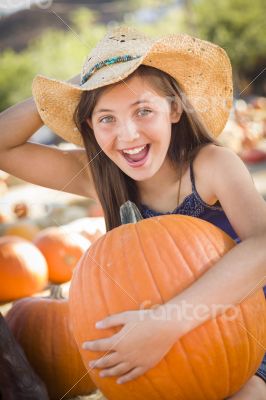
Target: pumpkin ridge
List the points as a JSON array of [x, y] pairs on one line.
[[166, 359], [151, 385], [84, 292], [86, 275], [246, 366], [176, 248], [132, 281], [125, 291], [114, 240], [157, 254], [52, 319], [197, 383], [147, 263], [101, 278], [228, 363], [252, 336], [198, 241], [182, 236], [157, 245], [203, 328], [80, 266], [211, 238], [136, 301], [245, 322]]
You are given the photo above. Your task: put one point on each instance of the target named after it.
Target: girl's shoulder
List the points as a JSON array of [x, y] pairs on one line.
[[211, 167], [232, 184], [210, 151], [212, 157]]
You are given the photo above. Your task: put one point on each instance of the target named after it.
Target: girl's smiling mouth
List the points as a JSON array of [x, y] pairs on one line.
[[136, 158]]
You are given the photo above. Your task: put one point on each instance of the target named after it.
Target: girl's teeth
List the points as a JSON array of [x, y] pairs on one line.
[[134, 151]]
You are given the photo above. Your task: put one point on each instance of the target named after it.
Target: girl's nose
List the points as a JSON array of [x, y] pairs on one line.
[[128, 132]]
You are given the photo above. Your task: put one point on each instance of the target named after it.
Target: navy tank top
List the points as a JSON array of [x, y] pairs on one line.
[[194, 206]]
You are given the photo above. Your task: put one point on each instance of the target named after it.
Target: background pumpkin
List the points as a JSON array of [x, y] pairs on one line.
[[151, 262], [62, 250], [23, 269], [40, 325], [24, 228]]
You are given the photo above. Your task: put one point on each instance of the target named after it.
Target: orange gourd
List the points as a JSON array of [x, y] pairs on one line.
[[62, 250], [23, 228], [148, 263], [23, 269], [40, 325]]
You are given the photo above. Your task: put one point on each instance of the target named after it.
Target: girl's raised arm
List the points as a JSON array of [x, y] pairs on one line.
[[48, 166]]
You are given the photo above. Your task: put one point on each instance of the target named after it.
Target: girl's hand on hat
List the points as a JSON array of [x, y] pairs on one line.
[[143, 341]]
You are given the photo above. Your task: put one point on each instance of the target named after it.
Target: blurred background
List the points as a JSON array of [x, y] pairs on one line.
[[53, 38]]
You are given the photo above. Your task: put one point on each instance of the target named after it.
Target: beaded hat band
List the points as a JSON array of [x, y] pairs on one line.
[[202, 70], [109, 61]]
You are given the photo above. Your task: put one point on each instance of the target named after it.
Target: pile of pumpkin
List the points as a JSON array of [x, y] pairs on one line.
[[40, 324], [150, 261]]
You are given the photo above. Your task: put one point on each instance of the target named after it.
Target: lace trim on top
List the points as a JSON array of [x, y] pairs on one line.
[[192, 205]]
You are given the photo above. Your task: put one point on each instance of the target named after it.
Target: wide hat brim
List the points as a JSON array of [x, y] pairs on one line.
[[202, 70]]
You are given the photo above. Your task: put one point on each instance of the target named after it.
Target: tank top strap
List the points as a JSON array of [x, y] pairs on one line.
[[216, 206], [192, 178]]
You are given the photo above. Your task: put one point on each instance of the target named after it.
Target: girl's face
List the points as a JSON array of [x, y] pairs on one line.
[[129, 115]]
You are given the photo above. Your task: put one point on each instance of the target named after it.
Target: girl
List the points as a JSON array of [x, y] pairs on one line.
[[148, 113]]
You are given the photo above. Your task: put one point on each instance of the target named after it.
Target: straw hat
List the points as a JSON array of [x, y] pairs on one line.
[[202, 70]]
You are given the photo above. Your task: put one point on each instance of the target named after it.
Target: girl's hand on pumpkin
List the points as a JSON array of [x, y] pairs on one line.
[[142, 342]]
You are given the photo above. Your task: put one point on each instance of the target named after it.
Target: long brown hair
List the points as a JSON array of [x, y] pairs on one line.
[[112, 185]]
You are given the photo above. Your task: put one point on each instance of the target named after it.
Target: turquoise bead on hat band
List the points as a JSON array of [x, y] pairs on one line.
[[108, 61]]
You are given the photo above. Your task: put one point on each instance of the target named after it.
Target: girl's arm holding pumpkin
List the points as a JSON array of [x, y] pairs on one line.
[[228, 282], [243, 269]]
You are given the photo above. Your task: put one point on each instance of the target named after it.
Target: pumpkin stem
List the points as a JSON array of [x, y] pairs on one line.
[[56, 292], [129, 213]]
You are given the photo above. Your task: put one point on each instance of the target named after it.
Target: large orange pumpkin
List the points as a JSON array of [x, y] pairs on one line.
[[23, 269], [40, 325], [149, 262], [62, 250]]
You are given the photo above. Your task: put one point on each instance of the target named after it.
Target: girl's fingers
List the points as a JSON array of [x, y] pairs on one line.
[[108, 360], [99, 345], [119, 369], [113, 320], [133, 374]]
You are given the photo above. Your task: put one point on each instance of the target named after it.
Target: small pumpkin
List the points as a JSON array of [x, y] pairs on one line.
[[149, 262], [40, 325], [24, 228], [23, 268], [62, 250]]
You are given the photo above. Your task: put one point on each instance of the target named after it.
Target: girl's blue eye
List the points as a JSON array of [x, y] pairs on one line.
[[101, 120], [143, 109]]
